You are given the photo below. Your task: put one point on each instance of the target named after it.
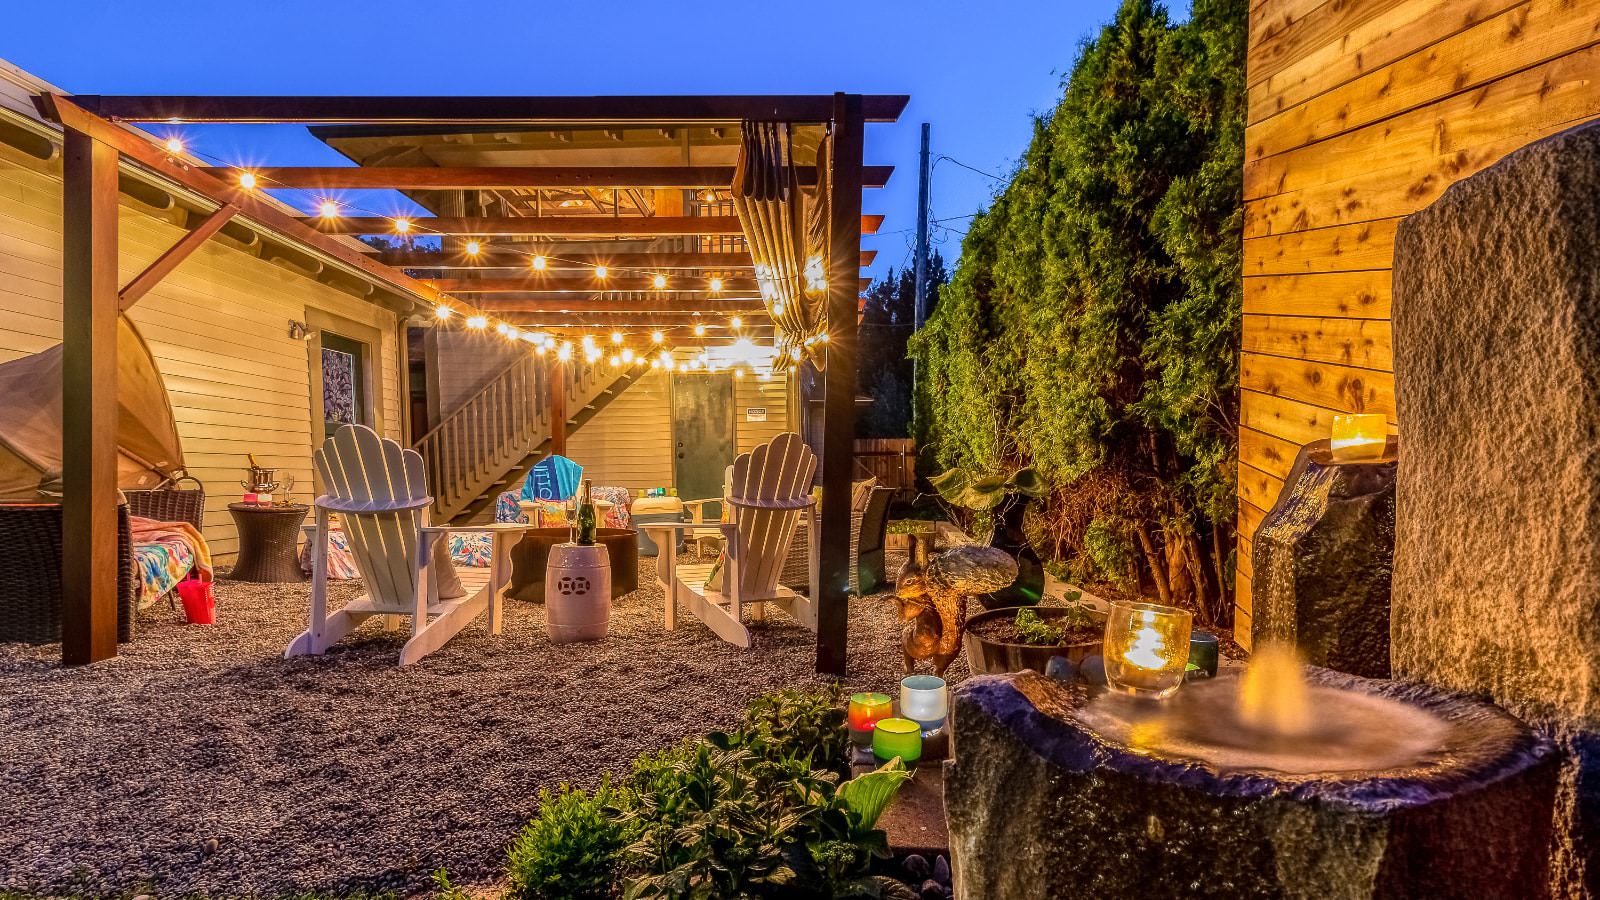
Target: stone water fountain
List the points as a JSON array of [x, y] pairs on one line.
[[1340, 786]]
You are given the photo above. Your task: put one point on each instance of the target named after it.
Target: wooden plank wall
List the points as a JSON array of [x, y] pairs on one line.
[[1361, 112], [218, 327]]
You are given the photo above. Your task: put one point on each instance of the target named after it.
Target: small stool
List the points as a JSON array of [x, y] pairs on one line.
[[577, 593]]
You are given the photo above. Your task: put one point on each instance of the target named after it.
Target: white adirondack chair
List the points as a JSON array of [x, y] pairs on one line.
[[770, 489], [380, 493]]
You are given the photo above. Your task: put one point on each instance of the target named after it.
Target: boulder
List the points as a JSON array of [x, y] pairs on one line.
[[1041, 806], [1497, 387], [1322, 562]]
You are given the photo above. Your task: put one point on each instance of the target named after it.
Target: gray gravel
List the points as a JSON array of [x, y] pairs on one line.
[[200, 762]]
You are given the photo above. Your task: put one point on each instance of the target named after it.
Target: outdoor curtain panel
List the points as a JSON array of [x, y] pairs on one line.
[[787, 229]]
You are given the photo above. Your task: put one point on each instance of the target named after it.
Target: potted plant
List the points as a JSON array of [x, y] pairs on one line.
[[1017, 638], [999, 502]]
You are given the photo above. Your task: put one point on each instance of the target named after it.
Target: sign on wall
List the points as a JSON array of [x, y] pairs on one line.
[[755, 414]]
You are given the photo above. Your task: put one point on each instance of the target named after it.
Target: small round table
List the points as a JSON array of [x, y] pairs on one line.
[[268, 538]]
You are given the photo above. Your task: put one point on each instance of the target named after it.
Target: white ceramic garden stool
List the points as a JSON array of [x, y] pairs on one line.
[[577, 593]]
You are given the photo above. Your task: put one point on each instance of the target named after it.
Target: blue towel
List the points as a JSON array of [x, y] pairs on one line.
[[552, 478]]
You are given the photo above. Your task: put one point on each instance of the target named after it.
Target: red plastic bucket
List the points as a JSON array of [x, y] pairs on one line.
[[199, 606]]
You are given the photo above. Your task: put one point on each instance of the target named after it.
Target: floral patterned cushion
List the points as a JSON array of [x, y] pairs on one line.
[[471, 550], [618, 516]]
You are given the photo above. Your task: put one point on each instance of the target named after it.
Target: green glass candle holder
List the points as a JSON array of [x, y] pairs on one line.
[[897, 737]]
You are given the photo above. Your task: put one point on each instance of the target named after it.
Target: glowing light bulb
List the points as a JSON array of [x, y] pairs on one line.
[[539, 349], [659, 282], [777, 309], [738, 373], [627, 355], [402, 226], [656, 336], [443, 312], [539, 263], [794, 353], [588, 342], [699, 329], [601, 271], [736, 322], [716, 284], [823, 337], [655, 363], [328, 209], [616, 337], [473, 247], [614, 361], [503, 328], [565, 352], [478, 322], [174, 144], [247, 180]]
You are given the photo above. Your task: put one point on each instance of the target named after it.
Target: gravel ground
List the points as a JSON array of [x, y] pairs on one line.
[[200, 762]]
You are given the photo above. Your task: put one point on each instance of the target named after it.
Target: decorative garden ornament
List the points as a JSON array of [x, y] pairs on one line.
[[933, 601]]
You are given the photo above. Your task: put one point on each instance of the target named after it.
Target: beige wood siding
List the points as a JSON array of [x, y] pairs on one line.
[[469, 360], [218, 327], [751, 393], [1361, 113]]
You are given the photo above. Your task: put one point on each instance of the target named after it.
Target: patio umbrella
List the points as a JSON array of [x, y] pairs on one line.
[[786, 227], [148, 452]]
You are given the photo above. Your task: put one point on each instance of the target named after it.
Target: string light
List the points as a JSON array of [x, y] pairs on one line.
[[443, 312], [660, 281], [473, 247], [655, 363], [614, 361], [777, 309], [174, 144], [588, 342], [601, 271], [716, 285], [822, 338], [736, 322], [627, 355], [247, 180], [402, 226], [565, 352], [656, 336], [700, 329], [538, 263], [616, 337], [329, 209], [478, 322], [503, 328]]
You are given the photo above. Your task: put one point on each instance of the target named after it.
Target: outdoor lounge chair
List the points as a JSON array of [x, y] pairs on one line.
[[381, 496], [769, 490]]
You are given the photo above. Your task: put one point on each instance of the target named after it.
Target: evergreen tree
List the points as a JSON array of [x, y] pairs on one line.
[[883, 367]]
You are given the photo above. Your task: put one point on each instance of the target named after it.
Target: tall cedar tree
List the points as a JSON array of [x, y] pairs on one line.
[[883, 367], [1091, 328]]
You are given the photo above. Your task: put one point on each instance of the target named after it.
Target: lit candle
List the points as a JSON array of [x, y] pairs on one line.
[[1146, 648], [865, 711], [925, 699], [897, 737], [1359, 437]]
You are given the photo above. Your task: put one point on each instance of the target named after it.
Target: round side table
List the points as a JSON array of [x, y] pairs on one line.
[[268, 537]]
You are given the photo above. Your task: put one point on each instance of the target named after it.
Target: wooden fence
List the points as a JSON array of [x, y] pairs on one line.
[[1360, 113], [893, 461]]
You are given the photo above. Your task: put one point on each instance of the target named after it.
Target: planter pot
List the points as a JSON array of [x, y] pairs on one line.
[[900, 542], [986, 657]]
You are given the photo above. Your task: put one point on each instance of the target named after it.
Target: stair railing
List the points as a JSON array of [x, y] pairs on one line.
[[474, 445]]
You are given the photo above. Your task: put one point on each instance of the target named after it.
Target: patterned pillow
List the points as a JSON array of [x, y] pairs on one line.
[[471, 550], [618, 516]]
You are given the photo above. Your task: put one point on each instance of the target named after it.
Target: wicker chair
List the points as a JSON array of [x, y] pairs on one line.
[[30, 566], [867, 530]]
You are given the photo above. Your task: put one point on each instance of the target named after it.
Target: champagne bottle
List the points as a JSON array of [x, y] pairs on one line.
[[587, 526]]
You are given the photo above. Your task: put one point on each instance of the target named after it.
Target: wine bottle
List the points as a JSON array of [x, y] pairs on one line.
[[587, 526]]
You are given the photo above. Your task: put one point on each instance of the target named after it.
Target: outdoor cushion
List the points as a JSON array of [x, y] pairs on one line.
[[621, 500]]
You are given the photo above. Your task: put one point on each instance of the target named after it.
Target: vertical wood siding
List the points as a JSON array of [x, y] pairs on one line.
[[218, 327], [1360, 113]]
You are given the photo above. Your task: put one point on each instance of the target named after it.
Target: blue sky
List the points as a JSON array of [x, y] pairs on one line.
[[976, 71]]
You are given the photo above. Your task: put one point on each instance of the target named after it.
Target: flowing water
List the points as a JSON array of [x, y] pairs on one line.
[[1271, 720]]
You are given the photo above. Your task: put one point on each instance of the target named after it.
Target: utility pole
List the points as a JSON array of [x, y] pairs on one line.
[[919, 312]]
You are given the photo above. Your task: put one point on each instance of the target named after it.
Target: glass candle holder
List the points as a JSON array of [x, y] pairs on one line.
[[1146, 648], [864, 712], [1359, 437], [925, 700], [897, 737]]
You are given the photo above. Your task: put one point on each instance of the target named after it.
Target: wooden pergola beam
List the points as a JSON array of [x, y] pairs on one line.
[[590, 304], [493, 257], [70, 114], [581, 281], [482, 110], [175, 255], [499, 177], [555, 226], [89, 394]]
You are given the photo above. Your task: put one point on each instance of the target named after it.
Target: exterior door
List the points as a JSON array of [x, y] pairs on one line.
[[702, 433], [344, 382]]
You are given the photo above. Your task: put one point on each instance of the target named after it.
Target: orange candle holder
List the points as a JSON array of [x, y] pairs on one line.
[[866, 710]]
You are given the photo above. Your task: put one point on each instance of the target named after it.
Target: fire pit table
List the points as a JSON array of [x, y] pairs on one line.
[[530, 556]]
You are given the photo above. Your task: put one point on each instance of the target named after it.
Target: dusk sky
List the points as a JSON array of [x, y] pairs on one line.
[[975, 71]]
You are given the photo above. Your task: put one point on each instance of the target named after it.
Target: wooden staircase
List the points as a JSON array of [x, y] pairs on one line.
[[489, 442]]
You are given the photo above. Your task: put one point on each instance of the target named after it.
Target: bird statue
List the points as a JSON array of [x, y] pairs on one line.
[[933, 600]]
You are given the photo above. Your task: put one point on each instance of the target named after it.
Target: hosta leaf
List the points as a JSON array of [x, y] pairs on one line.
[[868, 795]]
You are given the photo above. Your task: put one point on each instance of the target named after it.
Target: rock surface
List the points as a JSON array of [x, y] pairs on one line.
[[1497, 386], [1039, 806], [1323, 559]]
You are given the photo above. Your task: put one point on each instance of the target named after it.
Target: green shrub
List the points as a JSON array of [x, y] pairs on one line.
[[807, 724], [570, 850]]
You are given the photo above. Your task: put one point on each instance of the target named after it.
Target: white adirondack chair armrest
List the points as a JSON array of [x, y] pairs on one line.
[[502, 528], [724, 527], [341, 505], [798, 503]]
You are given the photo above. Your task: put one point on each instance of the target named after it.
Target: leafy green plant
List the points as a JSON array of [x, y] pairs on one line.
[[571, 849], [804, 724], [1039, 631], [912, 526], [1090, 330]]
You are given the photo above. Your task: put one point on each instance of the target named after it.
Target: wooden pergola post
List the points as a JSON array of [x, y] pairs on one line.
[[558, 408], [839, 383], [89, 400]]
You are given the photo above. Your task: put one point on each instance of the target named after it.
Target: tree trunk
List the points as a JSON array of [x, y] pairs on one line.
[[1158, 567]]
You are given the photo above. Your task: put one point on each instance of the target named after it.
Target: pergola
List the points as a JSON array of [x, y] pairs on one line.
[[607, 200]]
